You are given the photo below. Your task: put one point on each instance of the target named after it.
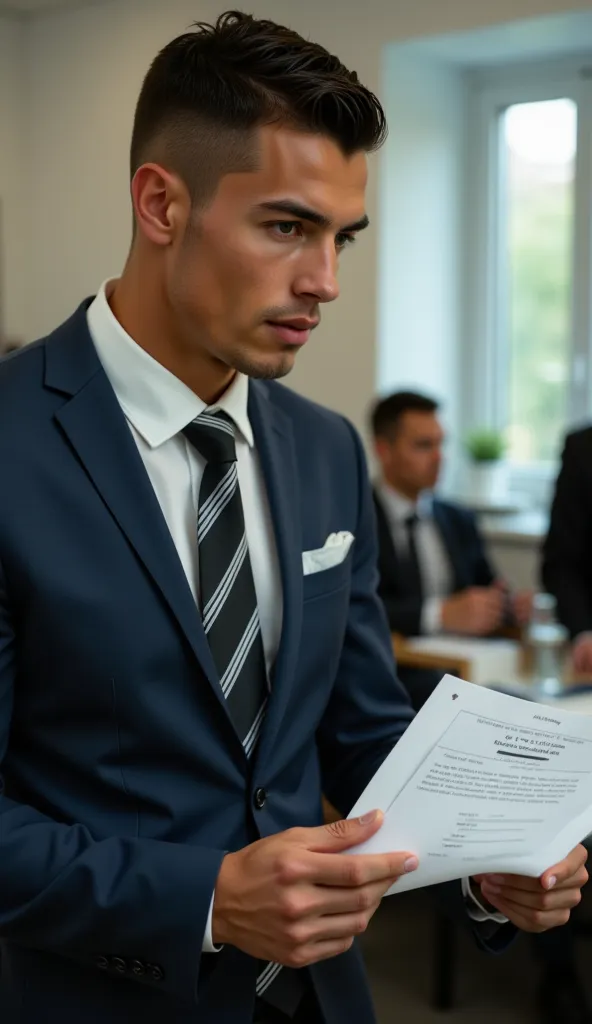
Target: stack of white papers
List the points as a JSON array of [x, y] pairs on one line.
[[483, 782]]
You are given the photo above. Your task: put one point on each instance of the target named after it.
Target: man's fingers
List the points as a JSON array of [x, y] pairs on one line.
[[349, 870], [518, 882], [316, 939], [557, 899], [567, 872], [344, 833], [340, 926], [329, 900], [527, 919], [565, 869], [314, 952]]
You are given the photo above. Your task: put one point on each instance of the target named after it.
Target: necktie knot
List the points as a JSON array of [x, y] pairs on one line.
[[212, 434], [411, 522]]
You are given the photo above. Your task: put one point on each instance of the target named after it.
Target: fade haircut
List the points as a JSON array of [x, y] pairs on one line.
[[386, 414], [209, 90]]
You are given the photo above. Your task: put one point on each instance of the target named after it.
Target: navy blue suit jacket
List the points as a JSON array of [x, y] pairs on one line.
[[124, 783], [466, 552]]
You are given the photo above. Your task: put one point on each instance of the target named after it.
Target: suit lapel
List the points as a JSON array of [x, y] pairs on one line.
[[95, 427], [388, 556], [275, 444]]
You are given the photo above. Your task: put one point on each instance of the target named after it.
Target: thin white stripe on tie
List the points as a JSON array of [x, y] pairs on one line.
[[214, 496], [218, 598], [213, 421], [240, 655], [266, 970], [266, 978], [253, 733], [222, 493]]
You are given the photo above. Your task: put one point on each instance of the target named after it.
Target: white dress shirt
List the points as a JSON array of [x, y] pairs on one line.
[[157, 405], [434, 563]]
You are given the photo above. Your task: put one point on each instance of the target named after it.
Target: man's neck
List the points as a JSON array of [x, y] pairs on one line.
[[403, 492], [142, 314]]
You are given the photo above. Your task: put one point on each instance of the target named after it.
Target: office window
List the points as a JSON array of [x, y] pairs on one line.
[[536, 205], [529, 166]]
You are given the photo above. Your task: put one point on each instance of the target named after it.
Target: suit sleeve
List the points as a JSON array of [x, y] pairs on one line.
[[64, 891], [567, 550]]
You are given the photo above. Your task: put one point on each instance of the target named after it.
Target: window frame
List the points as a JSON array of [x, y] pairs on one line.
[[491, 91]]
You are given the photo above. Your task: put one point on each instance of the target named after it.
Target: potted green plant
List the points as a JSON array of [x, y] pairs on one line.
[[487, 471]]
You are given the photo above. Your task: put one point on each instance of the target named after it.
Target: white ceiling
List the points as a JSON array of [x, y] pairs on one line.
[[34, 6]]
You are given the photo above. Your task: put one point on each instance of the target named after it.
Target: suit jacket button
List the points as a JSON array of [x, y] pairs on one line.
[[155, 972], [102, 962], [259, 798], [138, 968], [118, 964]]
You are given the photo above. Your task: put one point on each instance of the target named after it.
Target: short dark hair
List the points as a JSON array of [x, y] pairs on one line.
[[387, 412], [208, 91]]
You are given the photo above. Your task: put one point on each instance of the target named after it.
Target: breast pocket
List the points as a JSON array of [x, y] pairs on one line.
[[326, 581]]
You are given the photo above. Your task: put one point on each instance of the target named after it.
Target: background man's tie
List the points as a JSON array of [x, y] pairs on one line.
[[415, 581], [230, 616]]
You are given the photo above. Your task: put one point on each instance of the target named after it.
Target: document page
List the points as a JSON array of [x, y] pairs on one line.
[[482, 781]]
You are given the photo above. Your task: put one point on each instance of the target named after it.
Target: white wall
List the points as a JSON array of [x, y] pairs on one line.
[[84, 69], [421, 179], [13, 234]]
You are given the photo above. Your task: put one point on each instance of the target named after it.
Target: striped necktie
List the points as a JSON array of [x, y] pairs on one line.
[[230, 617], [227, 592]]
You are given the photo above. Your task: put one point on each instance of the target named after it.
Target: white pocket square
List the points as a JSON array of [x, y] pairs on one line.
[[334, 551]]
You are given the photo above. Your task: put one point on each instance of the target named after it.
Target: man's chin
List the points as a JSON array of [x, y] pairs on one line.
[[266, 369]]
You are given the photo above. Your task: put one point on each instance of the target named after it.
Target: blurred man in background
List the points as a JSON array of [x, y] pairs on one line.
[[435, 576]]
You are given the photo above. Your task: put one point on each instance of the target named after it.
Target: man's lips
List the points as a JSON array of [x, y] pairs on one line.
[[293, 332]]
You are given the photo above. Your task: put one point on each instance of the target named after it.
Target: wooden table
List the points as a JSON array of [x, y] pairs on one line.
[[461, 667], [408, 658]]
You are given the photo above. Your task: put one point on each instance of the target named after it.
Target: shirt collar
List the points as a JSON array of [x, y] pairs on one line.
[[156, 403], [399, 508]]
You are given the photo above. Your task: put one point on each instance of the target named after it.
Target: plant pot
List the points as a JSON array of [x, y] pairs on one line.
[[488, 482]]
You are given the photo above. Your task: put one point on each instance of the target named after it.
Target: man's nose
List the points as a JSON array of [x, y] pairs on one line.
[[319, 278]]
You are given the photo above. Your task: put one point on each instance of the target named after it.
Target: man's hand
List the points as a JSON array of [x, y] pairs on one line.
[[521, 604], [537, 904], [582, 653], [296, 898], [476, 611]]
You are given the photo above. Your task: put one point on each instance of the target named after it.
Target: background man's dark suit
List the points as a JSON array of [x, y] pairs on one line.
[[466, 553], [567, 551], [124, 781]]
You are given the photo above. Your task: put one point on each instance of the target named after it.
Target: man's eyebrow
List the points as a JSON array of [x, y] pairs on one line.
[[296, 209]]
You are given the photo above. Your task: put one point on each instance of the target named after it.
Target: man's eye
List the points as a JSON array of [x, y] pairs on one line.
[[286, 228], [342, 240]]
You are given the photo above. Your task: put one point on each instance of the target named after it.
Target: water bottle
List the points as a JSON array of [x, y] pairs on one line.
[[547, 639]]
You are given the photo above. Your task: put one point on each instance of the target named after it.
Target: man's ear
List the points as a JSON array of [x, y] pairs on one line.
[[161, 204], [382, 448]]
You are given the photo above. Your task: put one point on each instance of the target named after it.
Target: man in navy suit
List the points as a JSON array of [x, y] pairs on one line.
[[192, 649], [435, 575]]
